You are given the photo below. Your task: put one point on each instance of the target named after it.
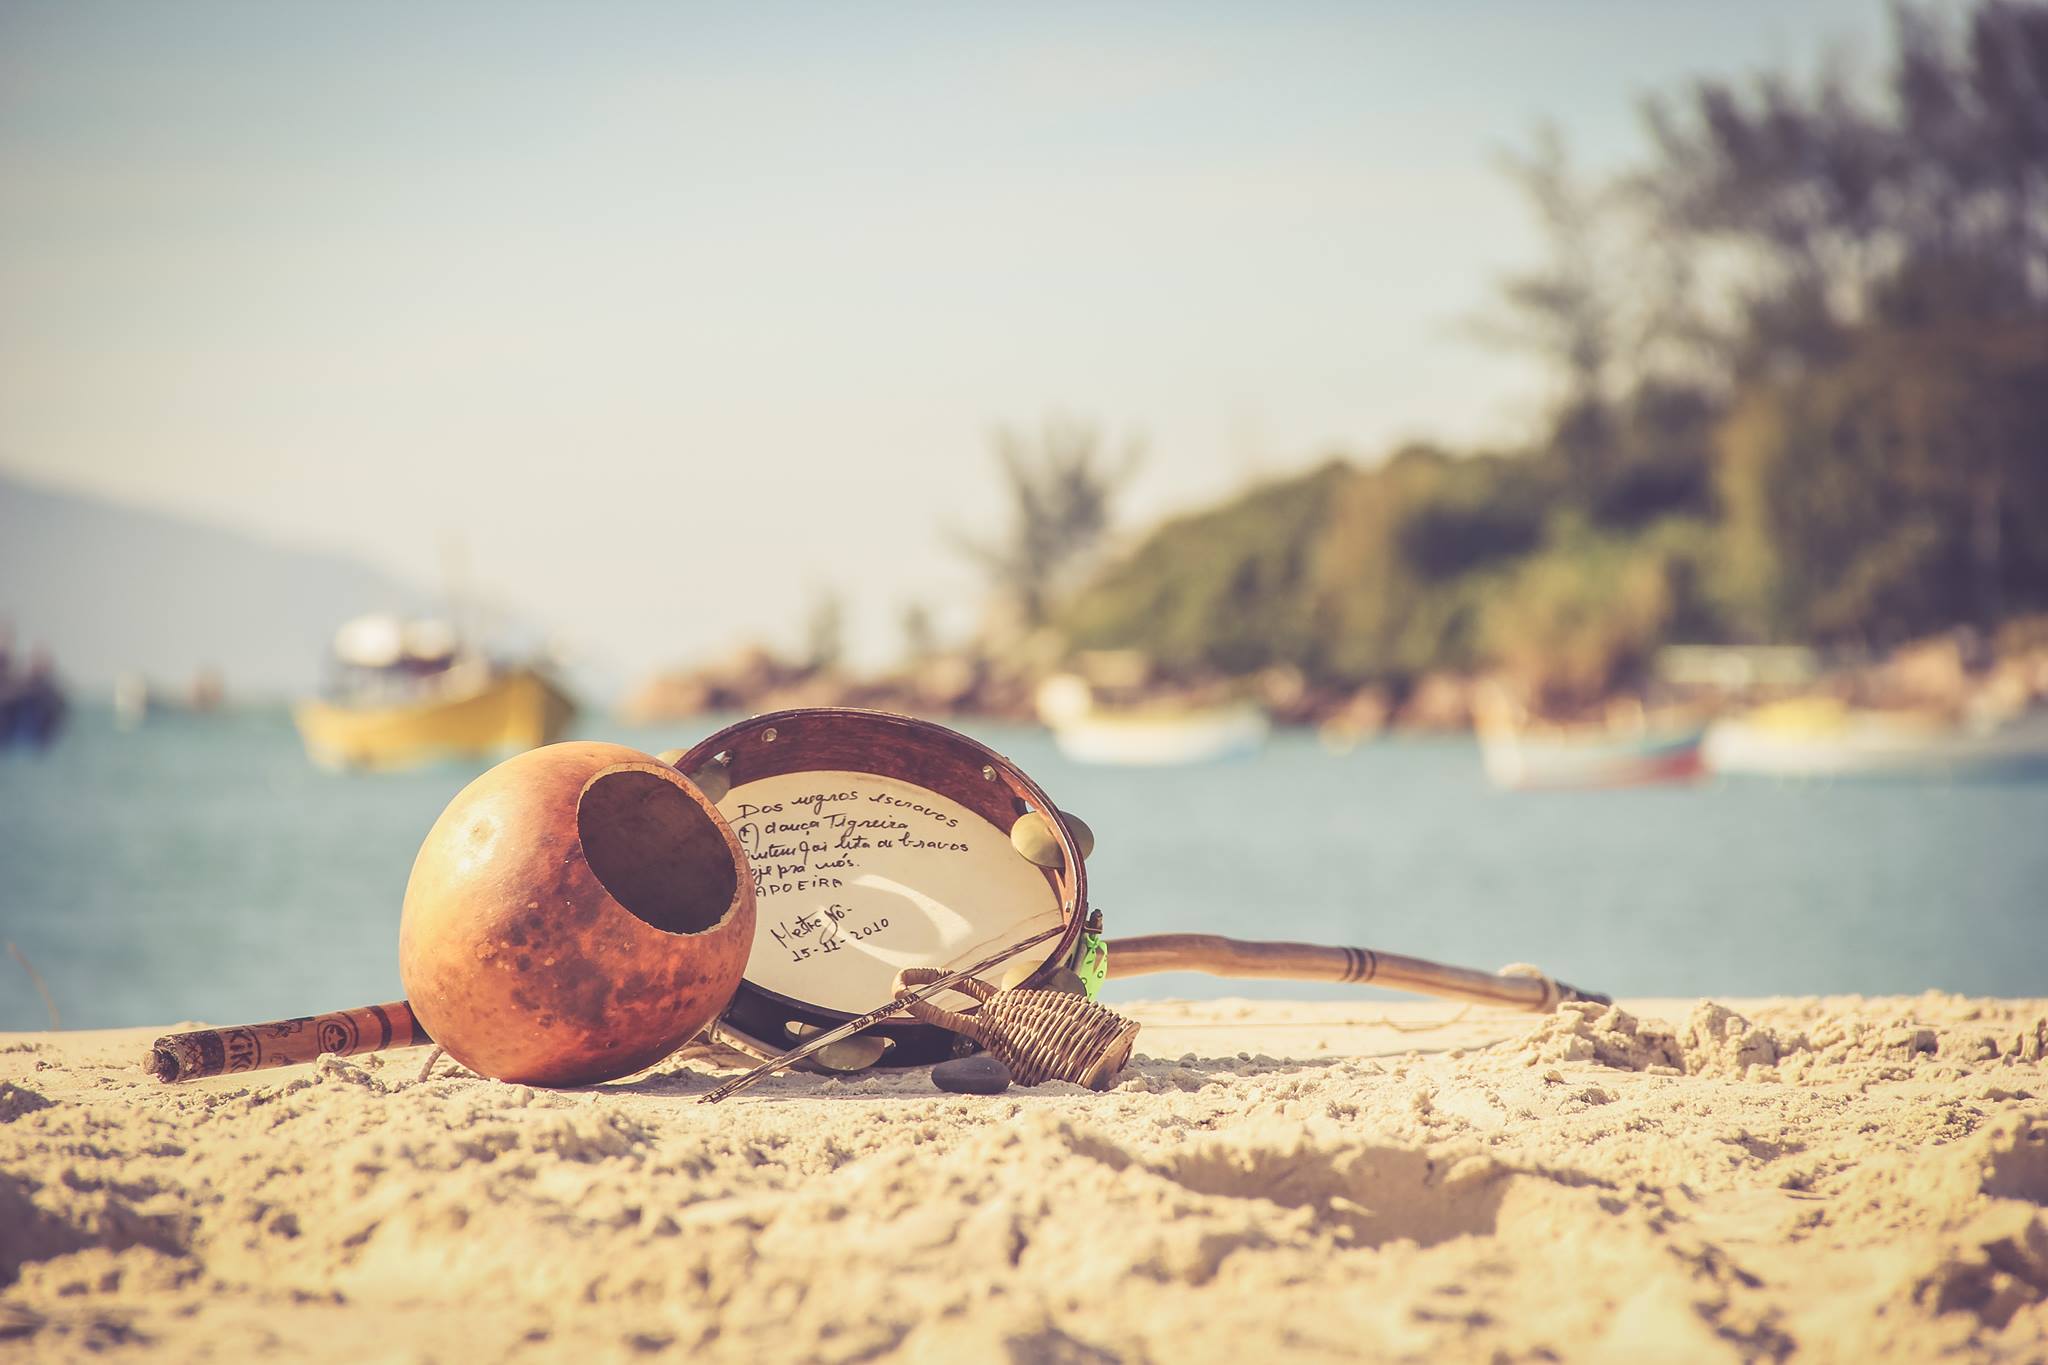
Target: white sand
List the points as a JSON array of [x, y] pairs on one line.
[[1839, 1179]]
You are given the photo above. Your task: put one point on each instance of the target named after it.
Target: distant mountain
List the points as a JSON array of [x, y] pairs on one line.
[[111, 589]]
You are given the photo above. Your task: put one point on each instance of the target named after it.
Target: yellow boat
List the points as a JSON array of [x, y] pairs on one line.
[[1825, 737], [485, 714]]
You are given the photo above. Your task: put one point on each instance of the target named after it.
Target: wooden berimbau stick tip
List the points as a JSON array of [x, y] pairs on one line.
[[284, 1042]]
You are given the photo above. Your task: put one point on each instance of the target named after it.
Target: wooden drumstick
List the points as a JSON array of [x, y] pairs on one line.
[[284, 1042], [1218, 956]]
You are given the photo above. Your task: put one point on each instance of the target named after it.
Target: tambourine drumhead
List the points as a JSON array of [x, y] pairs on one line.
[[877, 842]]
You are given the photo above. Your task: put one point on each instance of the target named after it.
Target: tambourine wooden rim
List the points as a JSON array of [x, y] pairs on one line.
[[905, 749]]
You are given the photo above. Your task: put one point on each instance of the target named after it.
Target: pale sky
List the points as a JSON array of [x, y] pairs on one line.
[[675, 316]]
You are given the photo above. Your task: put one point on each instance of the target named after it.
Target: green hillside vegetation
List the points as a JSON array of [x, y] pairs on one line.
[[1904, 487], [1430, 561], [1844, 441], [1227, 590]]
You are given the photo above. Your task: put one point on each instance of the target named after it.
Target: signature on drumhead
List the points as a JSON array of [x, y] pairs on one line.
[[827, 931]]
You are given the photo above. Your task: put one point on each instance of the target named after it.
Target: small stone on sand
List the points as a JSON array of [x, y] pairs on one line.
[[980, 1074]]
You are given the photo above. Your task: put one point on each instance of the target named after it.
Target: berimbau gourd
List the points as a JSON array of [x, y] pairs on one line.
[[576, 914]]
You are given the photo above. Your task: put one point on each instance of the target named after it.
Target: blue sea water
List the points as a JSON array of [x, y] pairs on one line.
[[200, 868]]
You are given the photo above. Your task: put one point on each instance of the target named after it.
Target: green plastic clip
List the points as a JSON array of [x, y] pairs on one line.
[[1091, 963]]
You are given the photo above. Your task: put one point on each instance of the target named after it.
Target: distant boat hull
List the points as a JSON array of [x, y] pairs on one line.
[[507, 713], [31, 713], [1563, 761], [1139, 739], [1830, 742]]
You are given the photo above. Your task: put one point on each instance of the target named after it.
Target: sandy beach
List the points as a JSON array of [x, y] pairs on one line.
[[1820, 1179]]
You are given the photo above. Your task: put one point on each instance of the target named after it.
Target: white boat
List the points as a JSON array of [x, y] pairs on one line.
[[1629, 747], [1565, 758], [1821, 737], [1153, 735], [1172, 737]]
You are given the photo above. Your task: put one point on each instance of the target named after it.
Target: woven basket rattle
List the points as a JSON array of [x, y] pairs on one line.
[[1039, 1035]]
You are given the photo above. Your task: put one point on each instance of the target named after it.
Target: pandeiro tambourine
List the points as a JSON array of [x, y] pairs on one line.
[[878, 842]]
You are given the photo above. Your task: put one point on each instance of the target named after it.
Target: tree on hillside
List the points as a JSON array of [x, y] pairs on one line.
[[920, 633], [1900, 489], [1833, 210], [825, 632], [1609, 311], [1881, 475], [1061, 486], [1565, 310]]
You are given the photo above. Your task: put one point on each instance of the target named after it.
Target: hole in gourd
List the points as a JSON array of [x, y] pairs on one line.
[[655, 850]]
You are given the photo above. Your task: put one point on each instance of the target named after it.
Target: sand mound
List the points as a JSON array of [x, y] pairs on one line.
[[2013, 1155], [1718, 1041], [16, 1100], [1840, 1179]]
